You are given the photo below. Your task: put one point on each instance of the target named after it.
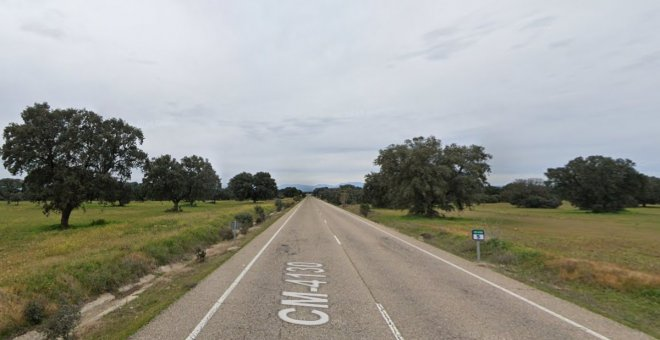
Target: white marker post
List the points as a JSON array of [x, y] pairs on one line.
[[234, 228], [478, 235]]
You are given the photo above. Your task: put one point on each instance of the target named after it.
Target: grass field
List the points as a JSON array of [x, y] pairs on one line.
[[609, 263], [106, 247]]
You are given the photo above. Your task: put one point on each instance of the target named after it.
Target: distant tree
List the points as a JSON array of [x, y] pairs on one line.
[[201, 180], [290, 192], [491, 194], [113, 191], [650, 191], [165, 179], [530, 193], [138, 192], [11, 189], [241, 186], [345, 194], [597, 183], [265, 187], [421, 175], [260, 186], [67, 154]]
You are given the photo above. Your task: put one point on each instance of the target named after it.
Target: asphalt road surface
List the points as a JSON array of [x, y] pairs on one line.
[[322, 273]]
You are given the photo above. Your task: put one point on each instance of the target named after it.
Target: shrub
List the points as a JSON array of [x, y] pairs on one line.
[[365, 209], [261, 214], [226, 234], [62, 324], [278, 204], [35, 312], [201, 254], [245, 219]]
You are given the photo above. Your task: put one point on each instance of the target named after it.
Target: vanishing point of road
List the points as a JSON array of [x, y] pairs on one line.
[[322, 273]]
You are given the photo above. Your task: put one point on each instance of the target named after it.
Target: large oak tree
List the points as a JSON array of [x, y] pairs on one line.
[[69, 155], [597, 183], [421, 175]]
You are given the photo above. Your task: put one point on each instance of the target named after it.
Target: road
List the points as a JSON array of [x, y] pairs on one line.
[[322, 273]]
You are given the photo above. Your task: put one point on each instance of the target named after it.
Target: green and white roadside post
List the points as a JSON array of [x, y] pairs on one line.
[[478, 235]]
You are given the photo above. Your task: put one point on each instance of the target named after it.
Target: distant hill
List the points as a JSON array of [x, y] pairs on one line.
[[310, 188]]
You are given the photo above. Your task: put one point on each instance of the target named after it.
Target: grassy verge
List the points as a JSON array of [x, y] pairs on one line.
[[105, 248], [127, 320], [607, 263]]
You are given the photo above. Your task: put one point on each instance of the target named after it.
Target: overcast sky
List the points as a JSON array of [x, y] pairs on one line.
[[311, 90]]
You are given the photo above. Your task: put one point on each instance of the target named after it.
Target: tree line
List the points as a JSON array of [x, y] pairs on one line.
[[72, 156], [424, 176]]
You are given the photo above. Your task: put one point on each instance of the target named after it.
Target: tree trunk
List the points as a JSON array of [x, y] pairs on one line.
[[176, 208], [64, 221]]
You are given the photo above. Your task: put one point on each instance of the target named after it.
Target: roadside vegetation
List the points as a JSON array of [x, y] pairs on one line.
[[127, 320], [104, 248], [607, 263]]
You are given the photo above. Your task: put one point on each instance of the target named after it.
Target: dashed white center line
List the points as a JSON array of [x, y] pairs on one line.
[[337, 239], [389, 322]]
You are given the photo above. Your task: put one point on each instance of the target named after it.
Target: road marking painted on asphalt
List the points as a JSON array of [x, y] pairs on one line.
[[390, 323], [301, 299], [337, 239], [233, 285], [493, 284]]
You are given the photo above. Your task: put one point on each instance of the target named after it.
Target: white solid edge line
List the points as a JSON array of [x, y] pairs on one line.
[[337, 239], [389, 322], [233, 285], [557, 315]]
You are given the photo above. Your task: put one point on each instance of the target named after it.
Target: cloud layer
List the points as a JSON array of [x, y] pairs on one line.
[[310, 91]]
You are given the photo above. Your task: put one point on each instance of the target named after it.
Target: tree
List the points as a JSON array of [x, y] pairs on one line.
[[421, 175], [201, 180], [597, 183], [241, 186], [650, 191], [265, 187], [165, 178], [290, 192], [260, 186], [530, 193], [375, 190], [11, 189], [68, 154]]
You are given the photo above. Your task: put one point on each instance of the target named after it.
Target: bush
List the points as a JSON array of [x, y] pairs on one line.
[[226, 234], [62, 324], [278, 204], [201, 254], [245, 219], [365, 209], [261, 214], [35, 312]]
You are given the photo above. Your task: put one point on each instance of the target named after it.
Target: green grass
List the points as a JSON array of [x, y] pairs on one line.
[[104, 248], [127, 320], [609, 263]]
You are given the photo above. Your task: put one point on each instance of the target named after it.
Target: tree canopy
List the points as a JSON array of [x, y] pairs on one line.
[[11, 189], [201, 180], [597, 183], [530, 193], [421, 174], [191, 179], [69, 154], [260, 186]]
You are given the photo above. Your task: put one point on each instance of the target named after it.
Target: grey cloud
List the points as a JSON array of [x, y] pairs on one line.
[[560, 43], [43, 30], [646, 61], [539, 23]]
